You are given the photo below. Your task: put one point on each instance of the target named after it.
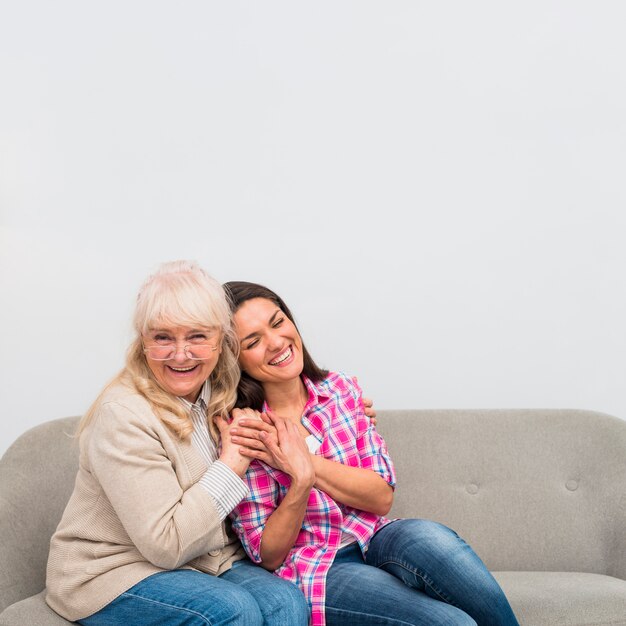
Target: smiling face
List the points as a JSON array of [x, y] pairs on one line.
[[180, 375], [271, 347]]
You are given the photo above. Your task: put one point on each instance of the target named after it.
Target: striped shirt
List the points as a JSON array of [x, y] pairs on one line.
[[334, 415], [220, 481]]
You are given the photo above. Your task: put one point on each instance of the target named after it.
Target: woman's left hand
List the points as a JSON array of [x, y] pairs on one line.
[[278, 443], [289, 452]]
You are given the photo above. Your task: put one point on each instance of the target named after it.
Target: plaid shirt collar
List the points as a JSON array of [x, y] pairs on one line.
[[318, 395]]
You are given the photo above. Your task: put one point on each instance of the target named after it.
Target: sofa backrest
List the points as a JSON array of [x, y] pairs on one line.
[[36, 479], [528, 489]]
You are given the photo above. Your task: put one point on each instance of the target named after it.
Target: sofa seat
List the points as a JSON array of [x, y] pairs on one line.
[[572, 598], [538, 599], [32, 611]]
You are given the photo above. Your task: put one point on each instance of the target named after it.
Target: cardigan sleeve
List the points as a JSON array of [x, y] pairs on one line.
[[169, 525]]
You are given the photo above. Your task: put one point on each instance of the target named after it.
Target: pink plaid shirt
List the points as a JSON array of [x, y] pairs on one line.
[[334, 415]]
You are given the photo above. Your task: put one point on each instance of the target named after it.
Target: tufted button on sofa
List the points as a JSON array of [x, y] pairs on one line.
[[539, 494]]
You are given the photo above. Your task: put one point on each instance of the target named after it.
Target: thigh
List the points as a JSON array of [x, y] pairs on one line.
[[431, 557], [362, 595], [177, 598], [281, 602]]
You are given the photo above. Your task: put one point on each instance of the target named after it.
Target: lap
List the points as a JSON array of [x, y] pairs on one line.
[[279, 600], [180, 597]]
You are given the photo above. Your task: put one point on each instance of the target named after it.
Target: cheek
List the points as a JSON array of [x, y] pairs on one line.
[[209, 366], [247, 361], [153, 367]]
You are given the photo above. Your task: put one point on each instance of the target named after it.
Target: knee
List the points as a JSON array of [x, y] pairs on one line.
[[239, 608], [295, 607], [464, 620], [286, 605], [450, 616], [427, 532]]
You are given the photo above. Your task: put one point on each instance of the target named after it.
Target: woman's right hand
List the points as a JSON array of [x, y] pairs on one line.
[[284, 448]]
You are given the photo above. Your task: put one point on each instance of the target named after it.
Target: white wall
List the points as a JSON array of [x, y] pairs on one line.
[[436, 188]]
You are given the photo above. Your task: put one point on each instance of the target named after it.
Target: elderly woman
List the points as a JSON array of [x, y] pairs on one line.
[[144, 538]]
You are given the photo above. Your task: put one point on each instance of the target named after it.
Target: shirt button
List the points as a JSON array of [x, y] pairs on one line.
[[214, 552]]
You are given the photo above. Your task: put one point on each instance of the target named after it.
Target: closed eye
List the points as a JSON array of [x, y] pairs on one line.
[[278, 322], [252, 344]]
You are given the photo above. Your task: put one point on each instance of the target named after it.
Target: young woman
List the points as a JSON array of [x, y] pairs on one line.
[[143, 539], [320, 485]]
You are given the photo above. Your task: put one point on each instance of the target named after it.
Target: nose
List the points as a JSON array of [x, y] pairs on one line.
[[275, 342], [180, 353]]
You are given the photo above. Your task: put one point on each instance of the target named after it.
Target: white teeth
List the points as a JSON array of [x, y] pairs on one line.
[[182, 369], [285, 356]]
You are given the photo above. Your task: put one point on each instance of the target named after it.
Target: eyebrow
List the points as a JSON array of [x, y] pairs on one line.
[[255, 333], [191, 331]]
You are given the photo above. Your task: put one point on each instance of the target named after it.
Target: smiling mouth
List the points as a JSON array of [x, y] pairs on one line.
[[182, 370], [283, 356]]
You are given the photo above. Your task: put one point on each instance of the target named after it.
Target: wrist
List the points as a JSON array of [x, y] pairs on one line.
[[316, 461], [303, 482], [239, 464]]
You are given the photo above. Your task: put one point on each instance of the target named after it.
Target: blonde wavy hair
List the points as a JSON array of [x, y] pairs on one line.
[[179, 293]]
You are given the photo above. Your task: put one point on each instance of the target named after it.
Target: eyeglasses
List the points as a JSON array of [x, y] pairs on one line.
[[166, 351]]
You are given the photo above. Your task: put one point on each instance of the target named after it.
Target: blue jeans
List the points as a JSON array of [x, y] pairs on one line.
[[245, 595], [414, 572]]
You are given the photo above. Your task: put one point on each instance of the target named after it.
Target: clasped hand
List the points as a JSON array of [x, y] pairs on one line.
[[275, 441]]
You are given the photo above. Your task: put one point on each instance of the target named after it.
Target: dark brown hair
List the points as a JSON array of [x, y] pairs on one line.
[[250, 391]]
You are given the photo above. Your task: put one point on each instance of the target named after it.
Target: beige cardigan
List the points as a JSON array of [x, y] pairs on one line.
[[136, 509]]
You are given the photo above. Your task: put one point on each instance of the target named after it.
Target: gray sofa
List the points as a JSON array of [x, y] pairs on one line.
[[539, 494]]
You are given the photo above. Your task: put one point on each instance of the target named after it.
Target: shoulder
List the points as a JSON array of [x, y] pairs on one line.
[[336, 381], [339, 384], [340, 395], [122, 398], [122, 408]]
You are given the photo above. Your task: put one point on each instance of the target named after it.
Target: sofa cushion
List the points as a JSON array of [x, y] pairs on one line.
[[565, 598], [33, 611]]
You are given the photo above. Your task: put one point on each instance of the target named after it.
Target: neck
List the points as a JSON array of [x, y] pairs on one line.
[[287, 399]]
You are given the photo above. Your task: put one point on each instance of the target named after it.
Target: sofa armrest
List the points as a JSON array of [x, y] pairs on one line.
[[37, 474], [33, 610]]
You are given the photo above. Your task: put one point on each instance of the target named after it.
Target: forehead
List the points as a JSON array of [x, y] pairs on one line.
[[254, 313], [170, 329]]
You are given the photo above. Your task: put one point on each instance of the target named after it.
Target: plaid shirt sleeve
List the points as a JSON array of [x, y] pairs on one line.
[[370, 444], [251, 514]]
